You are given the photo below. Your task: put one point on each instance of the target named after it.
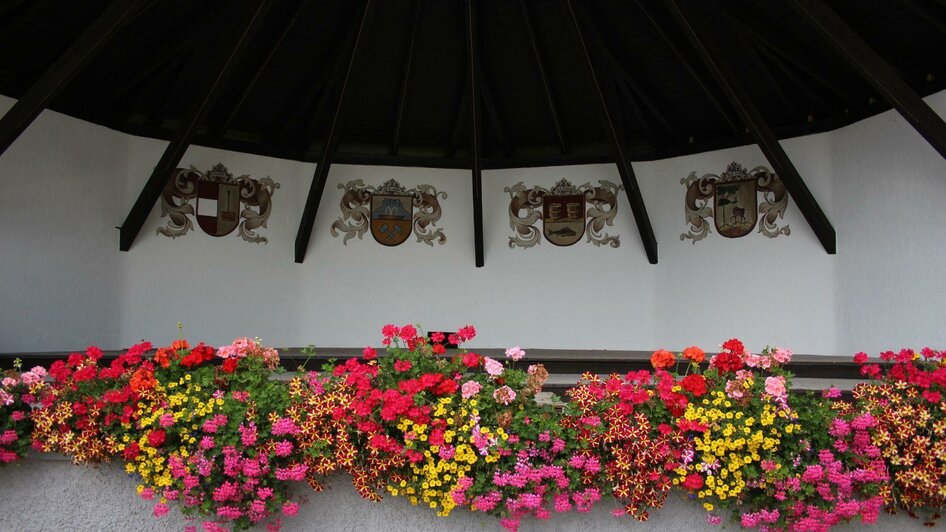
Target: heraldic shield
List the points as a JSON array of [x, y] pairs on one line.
[[391, 217], [563, 218], [735, 210], [218, 207]]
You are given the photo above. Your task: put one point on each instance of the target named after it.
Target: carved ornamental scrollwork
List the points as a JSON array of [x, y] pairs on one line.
[[218, 201], [567, 213], [390, 212], [732, 200]]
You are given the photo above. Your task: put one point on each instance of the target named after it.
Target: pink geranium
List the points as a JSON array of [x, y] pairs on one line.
[[493, 367], [469, 389], [516, 353]]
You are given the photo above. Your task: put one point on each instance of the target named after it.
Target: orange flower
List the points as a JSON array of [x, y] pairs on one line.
[[694, 354], [162, 357], [662, 359], [143, 379], [180, 345]]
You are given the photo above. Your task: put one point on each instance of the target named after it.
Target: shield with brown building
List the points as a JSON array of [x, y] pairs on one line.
[[391, 218]]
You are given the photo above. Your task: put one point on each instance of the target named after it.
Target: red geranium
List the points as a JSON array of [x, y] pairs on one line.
[[230, 365], [693, 482], [733, 345], [472, 360], [727, 361], [695, 384], [156, 438]]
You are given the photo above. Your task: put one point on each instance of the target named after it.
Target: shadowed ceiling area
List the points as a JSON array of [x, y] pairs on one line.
[[406, 99]]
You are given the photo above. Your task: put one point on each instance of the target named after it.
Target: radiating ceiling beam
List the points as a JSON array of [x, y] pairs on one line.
[[489, 105], [145, 68], [687, 63], [329, 91], [475, 132], [761, 132], [621, 75], [462, 109], [924, 12], [26, 15], [405, 80], [553, 110], [227, 49], [790, 53], [314, 84], [331, 143], [248, 88], [628, 179], [877, 72], [10, 5], [57, 76]]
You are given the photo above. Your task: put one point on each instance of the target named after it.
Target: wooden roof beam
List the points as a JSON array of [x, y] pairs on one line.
[[248, 88], [621, 75], [790, 54], [490, 106], [405, 81], [317, 186], [10, 5], [758, 128], [553, 110], [60, 73], [314, 85], [924, 13], [877, 72], [228, 49], [687, 63], [631, 188], [475, 132], [182, 41], [462, 109]]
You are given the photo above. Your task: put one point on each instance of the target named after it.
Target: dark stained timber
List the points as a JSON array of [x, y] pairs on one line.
[[475, 133], [321, 170], [628, 179], [877, 72], [52, 82], [688, 64], [540, 64], [405, 80], [758, 128], [225, 125], [226, 53]]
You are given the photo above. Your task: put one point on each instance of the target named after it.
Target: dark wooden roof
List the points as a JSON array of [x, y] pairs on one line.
[[280, 99]]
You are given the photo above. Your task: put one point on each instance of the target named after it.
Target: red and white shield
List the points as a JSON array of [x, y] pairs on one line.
[[218, 207]]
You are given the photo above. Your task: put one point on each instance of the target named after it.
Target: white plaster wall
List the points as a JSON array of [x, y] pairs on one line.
[[891, 214], [67, 184], [60, 194]]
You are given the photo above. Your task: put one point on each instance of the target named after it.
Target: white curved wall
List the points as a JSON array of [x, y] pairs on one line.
[[65, 185]]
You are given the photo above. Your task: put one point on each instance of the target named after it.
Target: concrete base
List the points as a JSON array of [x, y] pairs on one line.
[[48, 493]]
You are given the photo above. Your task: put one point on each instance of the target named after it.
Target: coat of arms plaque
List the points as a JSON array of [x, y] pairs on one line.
[[736, 208], [567, 213], [391, 212], [223, 203]]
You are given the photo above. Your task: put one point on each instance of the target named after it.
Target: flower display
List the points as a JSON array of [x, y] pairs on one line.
[[905, 400], [210, 431], [19, 391]]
